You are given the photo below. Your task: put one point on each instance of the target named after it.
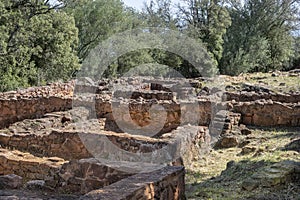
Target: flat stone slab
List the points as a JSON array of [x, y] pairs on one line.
[[166, 183]]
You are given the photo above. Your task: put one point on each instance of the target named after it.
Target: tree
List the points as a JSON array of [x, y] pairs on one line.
[[96, 21], [206, 20], [162, 14], [296, 56], [100, 20], [259, 38], [36, 44], [159, 13]]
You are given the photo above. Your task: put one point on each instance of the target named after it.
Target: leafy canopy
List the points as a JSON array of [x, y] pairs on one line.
[[36, 44]]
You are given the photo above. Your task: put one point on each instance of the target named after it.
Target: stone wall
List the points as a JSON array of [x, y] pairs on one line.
[[34, 102], [77, 176], [76, 171], [253, 96], [195, 141], [82, 176], [28, 166], [14, 110], [164, 184], [69, 145], [177, 114], [268, 113], [224, 122]]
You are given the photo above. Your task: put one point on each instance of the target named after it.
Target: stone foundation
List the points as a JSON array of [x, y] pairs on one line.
[[269, 113], [52, 146], [35, 102]]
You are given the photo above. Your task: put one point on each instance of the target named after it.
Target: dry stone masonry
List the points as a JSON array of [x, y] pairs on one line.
[[43, 144]]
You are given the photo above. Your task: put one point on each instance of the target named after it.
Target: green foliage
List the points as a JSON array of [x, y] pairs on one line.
[[259, 38], [96, 21], [159, 13], [206, 20], [39, 41], [125, 51], [296, 49], [36, 44]]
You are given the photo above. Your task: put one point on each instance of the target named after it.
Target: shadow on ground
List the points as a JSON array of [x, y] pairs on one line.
[[250, 180]]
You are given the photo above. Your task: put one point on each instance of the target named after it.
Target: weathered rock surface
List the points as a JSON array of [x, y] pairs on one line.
[[167, 184], [35, 185], [11, 181], [85, 175], [227, 142], [277, 174], [248, 150], [51, 153]]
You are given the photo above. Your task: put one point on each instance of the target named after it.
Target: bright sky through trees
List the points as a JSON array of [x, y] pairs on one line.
[[138, 4]]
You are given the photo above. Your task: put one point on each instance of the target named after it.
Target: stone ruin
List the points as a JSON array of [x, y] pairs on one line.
[[43, 142]]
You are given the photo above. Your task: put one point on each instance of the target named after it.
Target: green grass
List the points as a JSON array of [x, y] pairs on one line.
[[274, 83], [205, 179], [283, 83]]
